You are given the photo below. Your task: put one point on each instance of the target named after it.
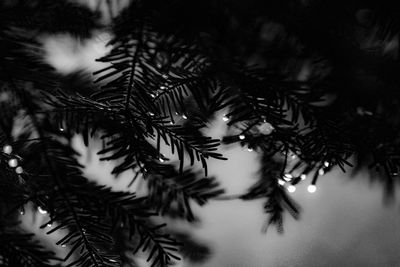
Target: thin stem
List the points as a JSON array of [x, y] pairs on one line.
[[132, 74]]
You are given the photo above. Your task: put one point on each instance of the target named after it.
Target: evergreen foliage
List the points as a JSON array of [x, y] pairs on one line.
[[308, 80]]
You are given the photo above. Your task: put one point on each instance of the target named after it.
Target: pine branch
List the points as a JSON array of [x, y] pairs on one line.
[[245, 107], [20, 249], [87, 231], [326, 143], [173, 191], [186, 139], [298, 99], [173, 94], [132, 212], [67, 208], [81, 111], [277, 199], [161, 247]]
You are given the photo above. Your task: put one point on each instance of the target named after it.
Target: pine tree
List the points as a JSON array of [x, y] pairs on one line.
[[309, 82]]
